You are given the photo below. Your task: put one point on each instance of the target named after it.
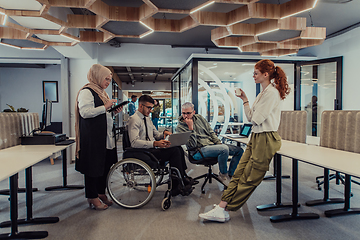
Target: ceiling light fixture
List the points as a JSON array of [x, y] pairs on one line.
[[240, 49], [193, 11], [145, 34], [312, 38], [70, 37], [146, 26], [227, 46], [297, 13], [276, 29], [4, 21], [315, 3], [31, 48]]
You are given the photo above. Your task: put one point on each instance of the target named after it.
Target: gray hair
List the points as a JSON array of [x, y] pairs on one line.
[[188, 105]]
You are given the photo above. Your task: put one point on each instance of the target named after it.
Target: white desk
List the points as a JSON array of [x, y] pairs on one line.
[[342, 161], [14, 160]]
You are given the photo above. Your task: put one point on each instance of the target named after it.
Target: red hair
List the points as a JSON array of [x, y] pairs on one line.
[[275, 73]]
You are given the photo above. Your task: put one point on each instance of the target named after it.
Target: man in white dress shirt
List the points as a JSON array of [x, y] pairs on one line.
[[143, 134]]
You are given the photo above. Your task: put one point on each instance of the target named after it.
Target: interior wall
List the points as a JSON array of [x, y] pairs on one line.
[[348, 46], [22, 87], [78, 78]]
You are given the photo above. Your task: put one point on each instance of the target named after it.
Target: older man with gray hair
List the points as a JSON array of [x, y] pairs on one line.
[[203, 137]]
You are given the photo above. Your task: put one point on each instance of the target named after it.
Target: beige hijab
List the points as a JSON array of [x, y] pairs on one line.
[[95, 76]]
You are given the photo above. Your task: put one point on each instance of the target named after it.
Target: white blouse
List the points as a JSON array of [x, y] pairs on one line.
[[265, 112], [87, 109]]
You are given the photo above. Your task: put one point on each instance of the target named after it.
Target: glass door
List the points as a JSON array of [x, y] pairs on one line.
[[320, 90]]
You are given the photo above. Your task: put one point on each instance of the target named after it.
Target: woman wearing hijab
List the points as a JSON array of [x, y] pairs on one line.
[[95, 144]]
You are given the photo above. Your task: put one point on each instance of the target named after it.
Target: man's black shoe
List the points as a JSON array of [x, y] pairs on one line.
[[189, 180]]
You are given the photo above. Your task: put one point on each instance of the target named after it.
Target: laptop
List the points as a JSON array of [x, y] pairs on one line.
[[178, 139], [244, 131]]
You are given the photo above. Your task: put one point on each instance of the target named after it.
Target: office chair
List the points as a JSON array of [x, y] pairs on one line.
[[338, 178], [207, 162]]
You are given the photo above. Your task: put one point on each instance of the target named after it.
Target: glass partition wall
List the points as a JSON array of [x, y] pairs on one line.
[[320, 87], [210, 84], [217, 82]]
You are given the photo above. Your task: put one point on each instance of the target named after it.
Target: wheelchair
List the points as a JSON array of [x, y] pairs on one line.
[[132, 182]]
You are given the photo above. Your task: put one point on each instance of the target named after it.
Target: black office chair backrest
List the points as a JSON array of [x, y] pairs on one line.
[[126, 140], [138, 153]]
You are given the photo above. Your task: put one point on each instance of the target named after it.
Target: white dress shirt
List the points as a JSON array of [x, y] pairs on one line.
[[265, 112], [137, 132], [87, 109]]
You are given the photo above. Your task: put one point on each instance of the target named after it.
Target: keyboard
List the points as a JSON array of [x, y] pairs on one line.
[[65, 142]]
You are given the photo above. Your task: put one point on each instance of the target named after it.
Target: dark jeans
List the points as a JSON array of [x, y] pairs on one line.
[[173, 155], [97, 185]]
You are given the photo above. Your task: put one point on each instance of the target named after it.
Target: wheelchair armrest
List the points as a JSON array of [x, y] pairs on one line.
[[143, 150]]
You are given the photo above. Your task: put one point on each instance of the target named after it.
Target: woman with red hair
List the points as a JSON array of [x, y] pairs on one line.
[[264, 141]]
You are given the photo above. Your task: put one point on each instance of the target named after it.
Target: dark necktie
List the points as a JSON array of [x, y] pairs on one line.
[[147, 135]]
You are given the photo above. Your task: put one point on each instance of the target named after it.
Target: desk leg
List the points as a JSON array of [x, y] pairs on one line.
[[29, 203], [64, 186], [326, 199], [22, 190], [277, 204], [346, 210], [274, 176], [294, 215], [14, 215]]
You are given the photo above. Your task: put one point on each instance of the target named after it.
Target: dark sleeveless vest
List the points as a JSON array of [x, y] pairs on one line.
[[93, 133]]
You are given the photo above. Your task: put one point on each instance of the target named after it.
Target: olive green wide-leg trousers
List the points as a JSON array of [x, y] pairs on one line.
[[251, 169]]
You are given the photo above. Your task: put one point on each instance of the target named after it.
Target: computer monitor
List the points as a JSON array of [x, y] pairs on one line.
[[46, 114]]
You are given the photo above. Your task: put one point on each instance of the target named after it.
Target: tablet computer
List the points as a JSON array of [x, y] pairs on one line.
[[113, 108]]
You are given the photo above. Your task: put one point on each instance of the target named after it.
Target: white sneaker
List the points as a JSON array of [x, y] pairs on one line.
[[217, 214], [224, 178]]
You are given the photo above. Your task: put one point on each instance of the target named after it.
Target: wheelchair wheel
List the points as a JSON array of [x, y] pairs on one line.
[[131, 183], [166, 203]]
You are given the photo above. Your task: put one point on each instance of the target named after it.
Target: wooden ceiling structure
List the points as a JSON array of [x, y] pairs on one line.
[[233, 29]]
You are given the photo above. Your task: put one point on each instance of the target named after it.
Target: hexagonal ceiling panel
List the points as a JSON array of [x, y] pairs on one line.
[[270, 26]]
